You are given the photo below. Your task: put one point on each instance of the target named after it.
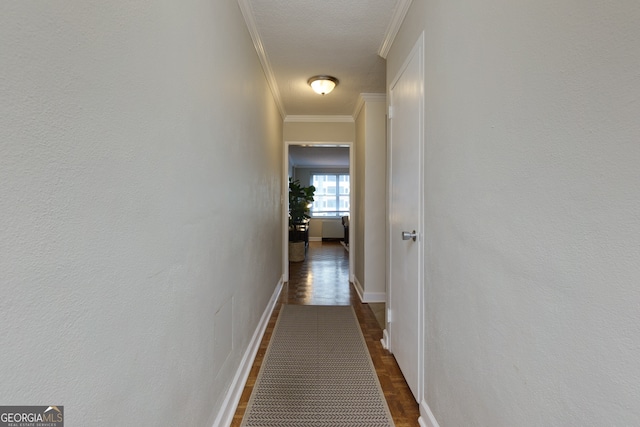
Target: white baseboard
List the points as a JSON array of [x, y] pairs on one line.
[[231, 399], [315, 239], [374, 297], [385, 340], [368, 297], [359, 288], [427, 419]]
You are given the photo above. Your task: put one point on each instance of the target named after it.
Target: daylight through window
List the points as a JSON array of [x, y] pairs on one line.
[[331, 198]]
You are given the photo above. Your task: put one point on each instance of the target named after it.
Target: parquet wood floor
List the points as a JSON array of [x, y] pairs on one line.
[[323, 279]]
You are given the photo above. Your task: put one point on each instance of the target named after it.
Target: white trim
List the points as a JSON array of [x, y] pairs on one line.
[[285, 199], [422, 247], [399, 14], [319, 119], [367, 97], [284, 202], [343, 144], [368, 297], [374, 297], [374, 97], [232, 397], [354, 209], [385, 340], [359, 105], [249, 19], [417, 50], [427, 419], [315, 239], [359, 288]]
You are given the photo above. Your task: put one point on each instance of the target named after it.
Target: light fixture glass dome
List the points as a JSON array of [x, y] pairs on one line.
[[323, 84]]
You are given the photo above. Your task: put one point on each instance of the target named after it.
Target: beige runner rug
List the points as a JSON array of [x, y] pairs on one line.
[[317, 372]]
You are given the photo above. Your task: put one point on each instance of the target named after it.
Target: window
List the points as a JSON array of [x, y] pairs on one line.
[[331, 198]]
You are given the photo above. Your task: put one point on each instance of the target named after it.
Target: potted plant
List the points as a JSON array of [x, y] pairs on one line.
[[300, 199]]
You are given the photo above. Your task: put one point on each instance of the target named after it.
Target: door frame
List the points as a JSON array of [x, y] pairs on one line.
[[284, 199], [418, 49]]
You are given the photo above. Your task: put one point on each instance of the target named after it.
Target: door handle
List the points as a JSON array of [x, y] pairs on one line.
[[406, 235]]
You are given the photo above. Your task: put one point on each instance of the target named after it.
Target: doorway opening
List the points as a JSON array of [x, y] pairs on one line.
[[331, 166]]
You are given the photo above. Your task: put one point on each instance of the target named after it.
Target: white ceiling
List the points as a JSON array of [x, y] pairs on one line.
[[347, 39], [316, 157]]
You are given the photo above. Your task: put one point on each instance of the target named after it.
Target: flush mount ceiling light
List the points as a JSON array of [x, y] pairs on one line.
[[322, 85]]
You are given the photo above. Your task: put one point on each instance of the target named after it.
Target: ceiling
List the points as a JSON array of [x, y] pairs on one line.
[[316, 157], [347, 39]]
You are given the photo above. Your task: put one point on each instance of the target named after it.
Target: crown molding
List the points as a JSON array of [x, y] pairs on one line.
[[249, 19], [318, 119], [367, 97], [402, 7], [359, 105], [374, 97]]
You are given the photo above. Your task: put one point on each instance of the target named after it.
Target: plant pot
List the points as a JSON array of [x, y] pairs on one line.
[[297, 251]]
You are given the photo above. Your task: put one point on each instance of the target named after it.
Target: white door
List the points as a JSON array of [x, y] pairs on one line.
[[405, 210]]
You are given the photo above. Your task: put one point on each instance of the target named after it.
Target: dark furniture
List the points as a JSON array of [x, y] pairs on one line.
[[345, 224], [299, 232]]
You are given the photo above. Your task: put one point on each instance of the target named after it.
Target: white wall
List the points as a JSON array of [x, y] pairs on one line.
[[135, 261], [532, 200], [319, 131], [329, 132], [372, 198]]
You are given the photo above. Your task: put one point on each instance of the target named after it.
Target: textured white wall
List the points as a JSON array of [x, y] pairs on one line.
[[532, 210], [375, 199], [358, 201], [319, 131], [371, 155], [135, 259]]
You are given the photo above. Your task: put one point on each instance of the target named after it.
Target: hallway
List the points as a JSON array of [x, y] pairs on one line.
[[323, 280]]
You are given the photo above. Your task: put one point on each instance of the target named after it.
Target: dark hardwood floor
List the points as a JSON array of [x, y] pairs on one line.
[[323, 279]]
